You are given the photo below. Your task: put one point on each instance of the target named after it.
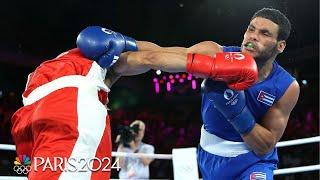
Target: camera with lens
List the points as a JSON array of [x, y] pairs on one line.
[[128, 134]]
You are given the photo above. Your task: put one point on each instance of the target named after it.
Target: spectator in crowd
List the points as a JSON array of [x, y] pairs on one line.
[[132, 167]]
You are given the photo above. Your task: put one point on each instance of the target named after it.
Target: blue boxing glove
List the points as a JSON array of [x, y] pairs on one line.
[[103, 45], [232, 104]]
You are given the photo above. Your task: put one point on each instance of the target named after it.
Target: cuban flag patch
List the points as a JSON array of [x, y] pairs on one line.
[[258, 176], [266, 98]]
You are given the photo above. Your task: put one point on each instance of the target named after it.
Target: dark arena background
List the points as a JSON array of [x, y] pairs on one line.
[[169, 104]]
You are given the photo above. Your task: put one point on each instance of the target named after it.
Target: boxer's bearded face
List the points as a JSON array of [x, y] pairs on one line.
[[260, 40]]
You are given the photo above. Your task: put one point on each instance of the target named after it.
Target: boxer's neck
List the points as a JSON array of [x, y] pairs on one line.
[[265, 70]]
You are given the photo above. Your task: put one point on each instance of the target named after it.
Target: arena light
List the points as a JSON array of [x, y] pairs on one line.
[[155, 80], [304, 82], [194, 84], [168, 81], [157, 87], [168, 86], [190, 77]]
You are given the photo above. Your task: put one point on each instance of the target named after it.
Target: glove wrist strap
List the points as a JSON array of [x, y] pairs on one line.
[[131, 44], [244, 122]]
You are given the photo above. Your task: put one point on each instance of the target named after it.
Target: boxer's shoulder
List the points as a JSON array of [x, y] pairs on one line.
[[66, 64]]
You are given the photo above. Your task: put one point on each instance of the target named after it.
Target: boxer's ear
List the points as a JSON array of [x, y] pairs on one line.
[[281, 45]]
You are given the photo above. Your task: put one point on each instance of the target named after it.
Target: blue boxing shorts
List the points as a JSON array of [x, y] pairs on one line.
[[229, 160]]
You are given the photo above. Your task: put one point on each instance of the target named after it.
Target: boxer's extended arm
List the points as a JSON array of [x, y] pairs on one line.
[[263, 138], [152, 56], [169, 59], [209, 48], [134, 63]]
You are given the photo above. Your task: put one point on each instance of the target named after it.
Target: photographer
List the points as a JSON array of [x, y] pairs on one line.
[[130, 141]]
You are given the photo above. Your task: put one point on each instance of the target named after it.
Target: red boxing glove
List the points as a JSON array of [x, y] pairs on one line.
[[237, 69]]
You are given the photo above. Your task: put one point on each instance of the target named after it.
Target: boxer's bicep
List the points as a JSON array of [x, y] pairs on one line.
[[147, 46], [276, 118], [150, 46], [209, 48]]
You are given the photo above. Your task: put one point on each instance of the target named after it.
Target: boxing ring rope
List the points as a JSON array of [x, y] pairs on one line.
[[298, 141], [316, 139], [297, 169], [137, 155]]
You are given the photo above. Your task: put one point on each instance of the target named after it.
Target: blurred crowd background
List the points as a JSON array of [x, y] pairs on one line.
[[33, 32]]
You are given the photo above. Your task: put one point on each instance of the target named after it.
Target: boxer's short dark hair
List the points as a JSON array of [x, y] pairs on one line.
[[277, 17]]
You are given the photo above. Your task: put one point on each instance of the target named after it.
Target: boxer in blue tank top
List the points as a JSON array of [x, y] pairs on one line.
[[240, 129]]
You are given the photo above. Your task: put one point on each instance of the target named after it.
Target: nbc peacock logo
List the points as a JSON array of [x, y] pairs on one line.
[[22, 164]]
